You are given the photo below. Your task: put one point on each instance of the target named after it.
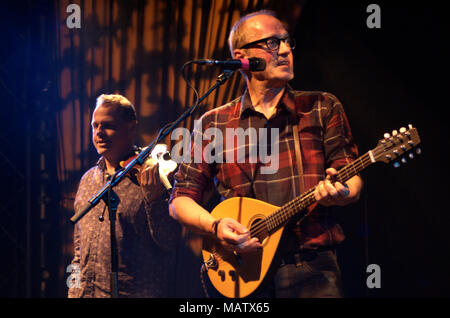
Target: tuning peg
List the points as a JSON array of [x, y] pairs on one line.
[[387, 135], [396, 164], [394, 133], [418, 151], [402, 130], [404, 160], [410, 126], [411, 155]]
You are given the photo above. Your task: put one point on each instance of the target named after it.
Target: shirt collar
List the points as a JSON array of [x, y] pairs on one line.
[[101, 164], [286, 102]]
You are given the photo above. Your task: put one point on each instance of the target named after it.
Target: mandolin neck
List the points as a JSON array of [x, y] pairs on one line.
[[299, 205]]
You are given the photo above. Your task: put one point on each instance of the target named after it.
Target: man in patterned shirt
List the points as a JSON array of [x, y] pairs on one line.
[[146, 235], [308, 267]]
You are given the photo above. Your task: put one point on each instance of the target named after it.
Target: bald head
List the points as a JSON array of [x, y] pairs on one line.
[[244, 28]]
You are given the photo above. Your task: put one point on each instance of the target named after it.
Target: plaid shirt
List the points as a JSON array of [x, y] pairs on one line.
[[326, 141]]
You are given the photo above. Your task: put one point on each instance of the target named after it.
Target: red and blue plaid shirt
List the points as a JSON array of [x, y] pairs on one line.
[[325, 138]]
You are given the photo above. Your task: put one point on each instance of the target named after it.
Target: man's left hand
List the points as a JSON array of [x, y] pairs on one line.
[[328, 193], [150, 181]]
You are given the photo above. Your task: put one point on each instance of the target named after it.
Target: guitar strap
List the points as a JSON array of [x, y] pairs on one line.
[[298, 157]]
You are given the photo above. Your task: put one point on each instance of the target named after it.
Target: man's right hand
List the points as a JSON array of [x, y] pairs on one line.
[[231, 234], [236, 237]]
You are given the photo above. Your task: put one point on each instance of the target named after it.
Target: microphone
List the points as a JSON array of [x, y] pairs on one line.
[[253, 64]]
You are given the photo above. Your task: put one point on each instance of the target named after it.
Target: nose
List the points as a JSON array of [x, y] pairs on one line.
[[284, 48], [98, 131]]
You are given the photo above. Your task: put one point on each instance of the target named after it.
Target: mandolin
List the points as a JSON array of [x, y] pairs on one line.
[[235, 275]]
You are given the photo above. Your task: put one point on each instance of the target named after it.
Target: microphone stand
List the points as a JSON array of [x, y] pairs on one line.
[[112, 202], [110, 197]]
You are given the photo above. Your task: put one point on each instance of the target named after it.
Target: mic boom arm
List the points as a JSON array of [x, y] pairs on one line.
[[142, 156]]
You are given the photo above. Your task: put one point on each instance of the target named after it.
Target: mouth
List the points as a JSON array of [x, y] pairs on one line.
[[283, 63], [102, 143]]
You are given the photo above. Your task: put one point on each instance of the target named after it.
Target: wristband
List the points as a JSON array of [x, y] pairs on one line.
[[215, 225]]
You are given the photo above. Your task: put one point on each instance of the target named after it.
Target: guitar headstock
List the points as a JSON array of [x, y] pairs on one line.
[[397, 146]]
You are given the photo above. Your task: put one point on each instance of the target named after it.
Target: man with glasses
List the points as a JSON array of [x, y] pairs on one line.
[[314, 142]]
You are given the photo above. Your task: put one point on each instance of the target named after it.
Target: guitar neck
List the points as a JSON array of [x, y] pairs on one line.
[[300, 204]]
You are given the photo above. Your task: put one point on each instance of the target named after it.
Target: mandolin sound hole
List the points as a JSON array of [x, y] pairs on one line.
[[258, 229]]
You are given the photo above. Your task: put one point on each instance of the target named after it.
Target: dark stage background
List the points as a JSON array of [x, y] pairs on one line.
[[386, 78]]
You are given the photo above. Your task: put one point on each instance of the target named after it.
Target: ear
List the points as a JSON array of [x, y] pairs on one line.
[[239, 54]]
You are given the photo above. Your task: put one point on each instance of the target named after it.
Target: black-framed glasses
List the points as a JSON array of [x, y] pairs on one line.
[[273, 42]]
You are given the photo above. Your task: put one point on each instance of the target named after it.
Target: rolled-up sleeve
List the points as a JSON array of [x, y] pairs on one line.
[[194, 172], [339, 145]]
